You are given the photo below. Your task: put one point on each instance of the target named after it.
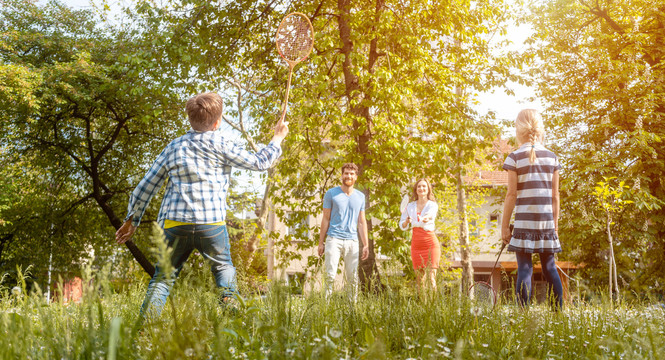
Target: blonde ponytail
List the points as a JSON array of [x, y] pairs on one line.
[[529, 128], [532, 140]]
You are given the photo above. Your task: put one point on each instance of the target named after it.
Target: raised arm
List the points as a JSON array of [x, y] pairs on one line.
[[259, 161]]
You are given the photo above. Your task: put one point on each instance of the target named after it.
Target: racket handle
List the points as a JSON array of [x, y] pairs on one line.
[[286, 98]]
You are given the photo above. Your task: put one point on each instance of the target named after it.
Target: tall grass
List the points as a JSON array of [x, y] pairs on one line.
[[395, 324]]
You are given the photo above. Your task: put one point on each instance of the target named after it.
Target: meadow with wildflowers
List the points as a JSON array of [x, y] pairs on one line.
[[396, 324]]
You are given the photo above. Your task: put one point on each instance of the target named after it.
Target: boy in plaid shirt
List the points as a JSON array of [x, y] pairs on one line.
[[198, 166]]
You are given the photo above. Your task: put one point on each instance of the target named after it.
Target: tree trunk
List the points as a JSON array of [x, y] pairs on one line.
[[101, 192], [4, 240], [368, 272], [467, 268], [136, 252], [616, 278], [613, 270], [253, 242]]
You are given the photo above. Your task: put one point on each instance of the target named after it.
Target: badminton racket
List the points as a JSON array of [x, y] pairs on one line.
[[294, 40], [403, 205], [482, 291]]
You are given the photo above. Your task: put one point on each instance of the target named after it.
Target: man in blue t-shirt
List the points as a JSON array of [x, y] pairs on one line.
[[343, 219]]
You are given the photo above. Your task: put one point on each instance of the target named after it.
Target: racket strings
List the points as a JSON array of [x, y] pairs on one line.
[[483, 293], [295, 38]]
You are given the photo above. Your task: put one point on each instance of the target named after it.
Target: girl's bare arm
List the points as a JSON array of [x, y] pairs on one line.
[[555, 199], [509, 206]]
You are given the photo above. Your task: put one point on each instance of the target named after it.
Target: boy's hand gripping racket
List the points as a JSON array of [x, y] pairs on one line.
[[482, 291], [295, 40]]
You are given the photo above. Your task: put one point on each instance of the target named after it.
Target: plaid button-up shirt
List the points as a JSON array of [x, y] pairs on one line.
[[198, 167]]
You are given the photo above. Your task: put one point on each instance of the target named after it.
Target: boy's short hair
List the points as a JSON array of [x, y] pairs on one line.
[[203, 110], [350, 166]]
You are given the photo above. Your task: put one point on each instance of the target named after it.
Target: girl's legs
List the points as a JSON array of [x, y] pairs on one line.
[[555, 289], [524, 272]]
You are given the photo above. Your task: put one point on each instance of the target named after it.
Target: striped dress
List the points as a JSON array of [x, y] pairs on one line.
[[534, 222]]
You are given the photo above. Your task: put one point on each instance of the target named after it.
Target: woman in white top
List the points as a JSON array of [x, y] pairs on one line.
[[425, 248]]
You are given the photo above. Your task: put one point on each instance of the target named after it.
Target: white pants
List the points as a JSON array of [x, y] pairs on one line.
[[349, 249]]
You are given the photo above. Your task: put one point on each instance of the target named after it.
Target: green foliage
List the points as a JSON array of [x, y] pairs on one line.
[[82, 112], [38, 224], [389, 102], [406, 64], [252, 268], [598, 68], [403, 121], [610, 198]]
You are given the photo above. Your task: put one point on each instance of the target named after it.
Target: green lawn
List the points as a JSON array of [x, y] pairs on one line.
[[395, 325]]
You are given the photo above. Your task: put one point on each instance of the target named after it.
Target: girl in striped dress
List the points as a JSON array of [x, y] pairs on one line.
[[533, 192]]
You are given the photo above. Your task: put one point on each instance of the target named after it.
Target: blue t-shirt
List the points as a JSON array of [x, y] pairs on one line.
[[344, 212]]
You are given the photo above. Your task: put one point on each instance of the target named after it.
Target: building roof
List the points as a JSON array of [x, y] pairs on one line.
[[487, 178], [495, 177], [500, 149]]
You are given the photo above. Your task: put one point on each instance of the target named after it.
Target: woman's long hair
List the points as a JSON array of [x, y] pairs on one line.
[[430, 194]]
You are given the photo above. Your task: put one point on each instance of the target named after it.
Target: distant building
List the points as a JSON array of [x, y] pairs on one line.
[[295, 272], [71, 290]]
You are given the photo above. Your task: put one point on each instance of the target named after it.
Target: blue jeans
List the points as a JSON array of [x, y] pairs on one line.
[[212, 241], [524, 272]]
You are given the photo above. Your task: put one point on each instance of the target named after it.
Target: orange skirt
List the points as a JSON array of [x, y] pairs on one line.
[[425, 249]]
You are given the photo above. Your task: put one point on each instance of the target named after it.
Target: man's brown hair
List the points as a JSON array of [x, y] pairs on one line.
[[350, 166], [204, 110]]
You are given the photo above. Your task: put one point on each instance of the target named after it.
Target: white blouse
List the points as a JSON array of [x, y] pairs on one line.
[[430, 209]]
